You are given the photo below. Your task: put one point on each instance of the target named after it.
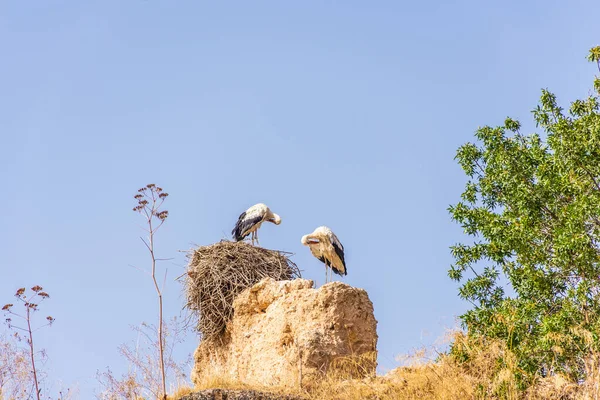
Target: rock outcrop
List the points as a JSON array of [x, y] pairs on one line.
[[226, 394], [286, 333]]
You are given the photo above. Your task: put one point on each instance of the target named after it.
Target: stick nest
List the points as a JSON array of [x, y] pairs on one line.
[[218, 273]]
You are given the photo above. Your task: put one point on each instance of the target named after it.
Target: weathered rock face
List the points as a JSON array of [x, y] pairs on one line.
[[224, 394], [285, 333]]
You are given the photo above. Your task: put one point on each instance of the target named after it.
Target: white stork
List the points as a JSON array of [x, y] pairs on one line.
[[324, 245], [251, 219]]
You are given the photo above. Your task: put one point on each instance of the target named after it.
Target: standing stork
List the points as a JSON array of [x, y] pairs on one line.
[[324, 245], [251, 219]]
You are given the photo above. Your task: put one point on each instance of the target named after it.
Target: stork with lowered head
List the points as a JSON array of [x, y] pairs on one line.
[[250, 221], [326, 246]]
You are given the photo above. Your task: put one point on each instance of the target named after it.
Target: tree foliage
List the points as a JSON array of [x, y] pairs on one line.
[[532, 209]]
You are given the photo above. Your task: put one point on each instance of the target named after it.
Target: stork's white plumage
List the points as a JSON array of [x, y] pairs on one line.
[[250, 220], [325, 245]]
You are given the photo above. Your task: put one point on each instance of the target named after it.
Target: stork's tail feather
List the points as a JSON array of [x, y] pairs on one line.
[[340, 273], [237, 235]]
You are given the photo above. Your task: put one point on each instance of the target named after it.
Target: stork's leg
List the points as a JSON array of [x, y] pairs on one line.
[[257, 243]]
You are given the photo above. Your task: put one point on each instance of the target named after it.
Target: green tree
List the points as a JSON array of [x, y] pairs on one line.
[[532, 209]]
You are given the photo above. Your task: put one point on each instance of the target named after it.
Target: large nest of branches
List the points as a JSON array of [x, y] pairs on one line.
[[219, 272]]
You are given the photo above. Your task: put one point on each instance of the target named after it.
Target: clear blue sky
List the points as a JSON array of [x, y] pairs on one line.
[[346, 114]]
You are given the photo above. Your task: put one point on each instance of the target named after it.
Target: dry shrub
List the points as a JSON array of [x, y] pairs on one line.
[[490, 365], [15, 371], [219, 272], [143, 379], [420, 378], [493, 368], [16, 375], [489, 372], [591, 386], [561, 387]]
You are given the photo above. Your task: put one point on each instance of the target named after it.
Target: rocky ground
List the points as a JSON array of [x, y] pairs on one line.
[[225, 394]]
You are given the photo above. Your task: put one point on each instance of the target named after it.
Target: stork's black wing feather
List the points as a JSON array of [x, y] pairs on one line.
[[339, 250], [236, 232], [240, 231]]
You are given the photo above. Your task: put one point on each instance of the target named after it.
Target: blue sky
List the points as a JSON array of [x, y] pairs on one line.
[[346, 114]]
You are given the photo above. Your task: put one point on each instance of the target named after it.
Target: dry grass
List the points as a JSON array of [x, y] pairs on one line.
[[482, 377], [219, 379], [219, 272], [419, 379], [225, 383], [180, 392]]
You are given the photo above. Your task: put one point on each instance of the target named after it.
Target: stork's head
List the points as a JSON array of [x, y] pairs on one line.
[[274, 218], [315, 237], [306, 240]]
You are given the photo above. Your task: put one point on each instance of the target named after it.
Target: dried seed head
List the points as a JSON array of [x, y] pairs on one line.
[[7, 307], [20, 291], [44, 295], [36, 288], [162, 215]]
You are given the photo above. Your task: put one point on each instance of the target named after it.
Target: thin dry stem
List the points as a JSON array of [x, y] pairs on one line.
[[32, 353], [150, 199]]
